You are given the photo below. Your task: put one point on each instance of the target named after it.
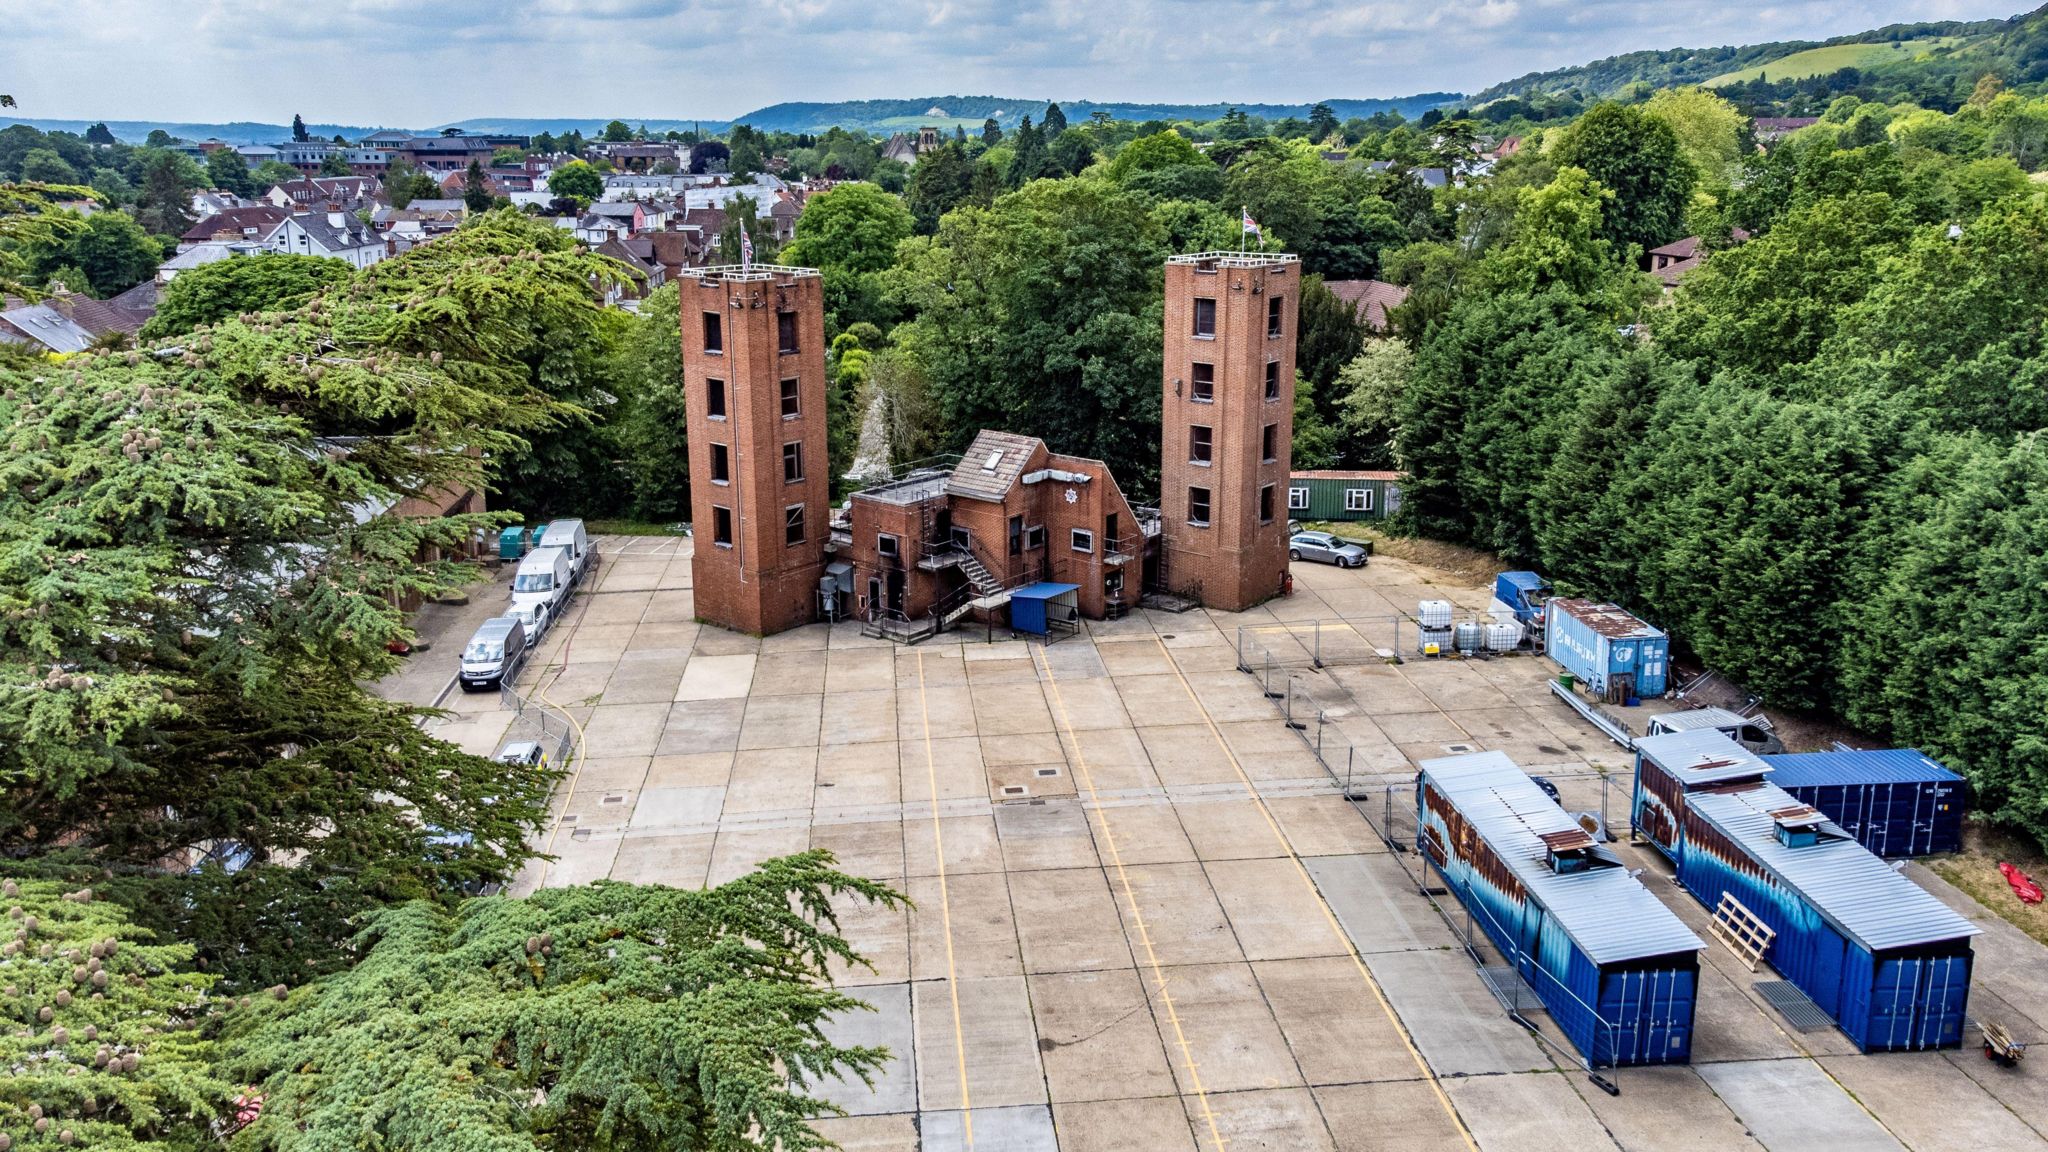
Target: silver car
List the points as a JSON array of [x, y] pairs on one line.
[[1326, 548]]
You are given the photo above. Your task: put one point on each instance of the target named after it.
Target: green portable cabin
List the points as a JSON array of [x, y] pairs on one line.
[[1333, 495]]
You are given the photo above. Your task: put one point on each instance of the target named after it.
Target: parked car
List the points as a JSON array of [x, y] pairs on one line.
[[1328, 549], [493, 653], [569, 536]]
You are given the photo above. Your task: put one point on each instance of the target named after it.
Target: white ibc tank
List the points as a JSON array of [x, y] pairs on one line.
[[1503, 636], [1434, 613], [1471, 636], [1433, 641]]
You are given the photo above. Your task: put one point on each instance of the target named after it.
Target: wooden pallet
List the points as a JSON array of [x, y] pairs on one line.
[[1740, 929]]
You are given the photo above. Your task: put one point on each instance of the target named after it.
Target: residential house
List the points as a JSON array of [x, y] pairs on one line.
[[209, 201], [605, 220], [1771, 129], [64, 323], [643, 155], [332, 233], [784, 211], [1371, 299], [409, 227], [252, 225], [638, 255], [636, 186], [353, 193], [1669, 263], [207, 253], [1427, 177]]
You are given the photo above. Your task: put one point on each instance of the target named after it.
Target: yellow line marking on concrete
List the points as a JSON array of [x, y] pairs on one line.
[[1087, 780], [931, 772], [1378, 994]]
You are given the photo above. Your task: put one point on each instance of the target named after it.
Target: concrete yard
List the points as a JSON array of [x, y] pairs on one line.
[[1147, 919]]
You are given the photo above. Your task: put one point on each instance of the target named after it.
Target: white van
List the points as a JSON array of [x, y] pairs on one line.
[[540, 589], [1752, 732], [493, 653], [570, 536]]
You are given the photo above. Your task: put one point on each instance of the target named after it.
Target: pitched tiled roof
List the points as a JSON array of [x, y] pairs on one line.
[[264, 218], [992, 464], [1371, 299]]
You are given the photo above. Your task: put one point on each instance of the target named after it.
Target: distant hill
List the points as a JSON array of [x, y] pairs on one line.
[[1945, 45], [882, 116], [234, 132], [970, 111]]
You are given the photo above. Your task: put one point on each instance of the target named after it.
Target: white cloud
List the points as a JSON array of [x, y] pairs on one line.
[[424, 62]]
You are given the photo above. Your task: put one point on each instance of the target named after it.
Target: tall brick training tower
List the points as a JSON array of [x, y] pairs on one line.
[[1227, 423], [754, 373]]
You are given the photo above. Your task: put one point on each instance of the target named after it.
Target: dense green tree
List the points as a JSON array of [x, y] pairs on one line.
[[1041, 315], [1329, 335], [229, 173], [940, 181], [1031, 159], [1709, 130], [114, 253], [850, 234], [1941, 623], [991, 132], [602, 1016], [1315, 437], [99, 133], [1167, 149], [1322, 123], [616, 132], [1053, 122], [1637, 157], [299, 133], [476, 191], [1200, 182], [162, 206], [577, 179], [334, 164], [651, 424], [271, 173], [103, 1042], [214, 292], [44, 166], [1368, 391], [1773, 301]]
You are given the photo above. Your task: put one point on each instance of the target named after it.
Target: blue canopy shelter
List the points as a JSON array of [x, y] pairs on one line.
[[1044, 608]]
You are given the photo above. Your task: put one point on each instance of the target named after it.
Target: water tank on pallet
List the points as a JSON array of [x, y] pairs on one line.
[[1434, 613], [1470, 636], [1433, 641], [1503, 636]]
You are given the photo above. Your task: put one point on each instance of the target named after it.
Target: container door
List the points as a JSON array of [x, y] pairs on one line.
[[1922, 841], [1649, 1016], [1942, 993], [1825, 968]]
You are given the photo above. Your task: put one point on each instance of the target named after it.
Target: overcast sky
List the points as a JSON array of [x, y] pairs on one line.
[[417, 63]]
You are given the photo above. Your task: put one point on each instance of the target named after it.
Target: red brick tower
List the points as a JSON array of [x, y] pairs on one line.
[[754, 372], [1227, 423]]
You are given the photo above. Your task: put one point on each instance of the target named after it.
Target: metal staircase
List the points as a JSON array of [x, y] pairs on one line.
[[984, 581]]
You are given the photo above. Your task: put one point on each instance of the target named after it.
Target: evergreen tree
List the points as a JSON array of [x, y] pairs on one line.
[[476, 191], [1322, 123], [230, 173], [299, 130], [991, 132], [164, 206], [939, 182], [1053, 122], [601, 1017], [1029, 160]]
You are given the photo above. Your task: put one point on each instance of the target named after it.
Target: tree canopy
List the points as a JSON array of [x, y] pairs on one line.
[[602, 1016]]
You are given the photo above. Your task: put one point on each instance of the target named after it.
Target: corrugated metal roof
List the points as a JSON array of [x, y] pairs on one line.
[[1884, 766], [1609, 620], [1853, 890], [1702, 756], [1609, 914], [1694, 719]]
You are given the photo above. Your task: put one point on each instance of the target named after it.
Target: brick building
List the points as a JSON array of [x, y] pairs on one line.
[[1227, 425], [938, 543], [754, 373]]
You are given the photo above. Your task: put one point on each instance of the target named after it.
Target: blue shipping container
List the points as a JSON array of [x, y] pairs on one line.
[[1618, 656], [1889, 962], [1895, 802], [1617, 970], [1668, 766]]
